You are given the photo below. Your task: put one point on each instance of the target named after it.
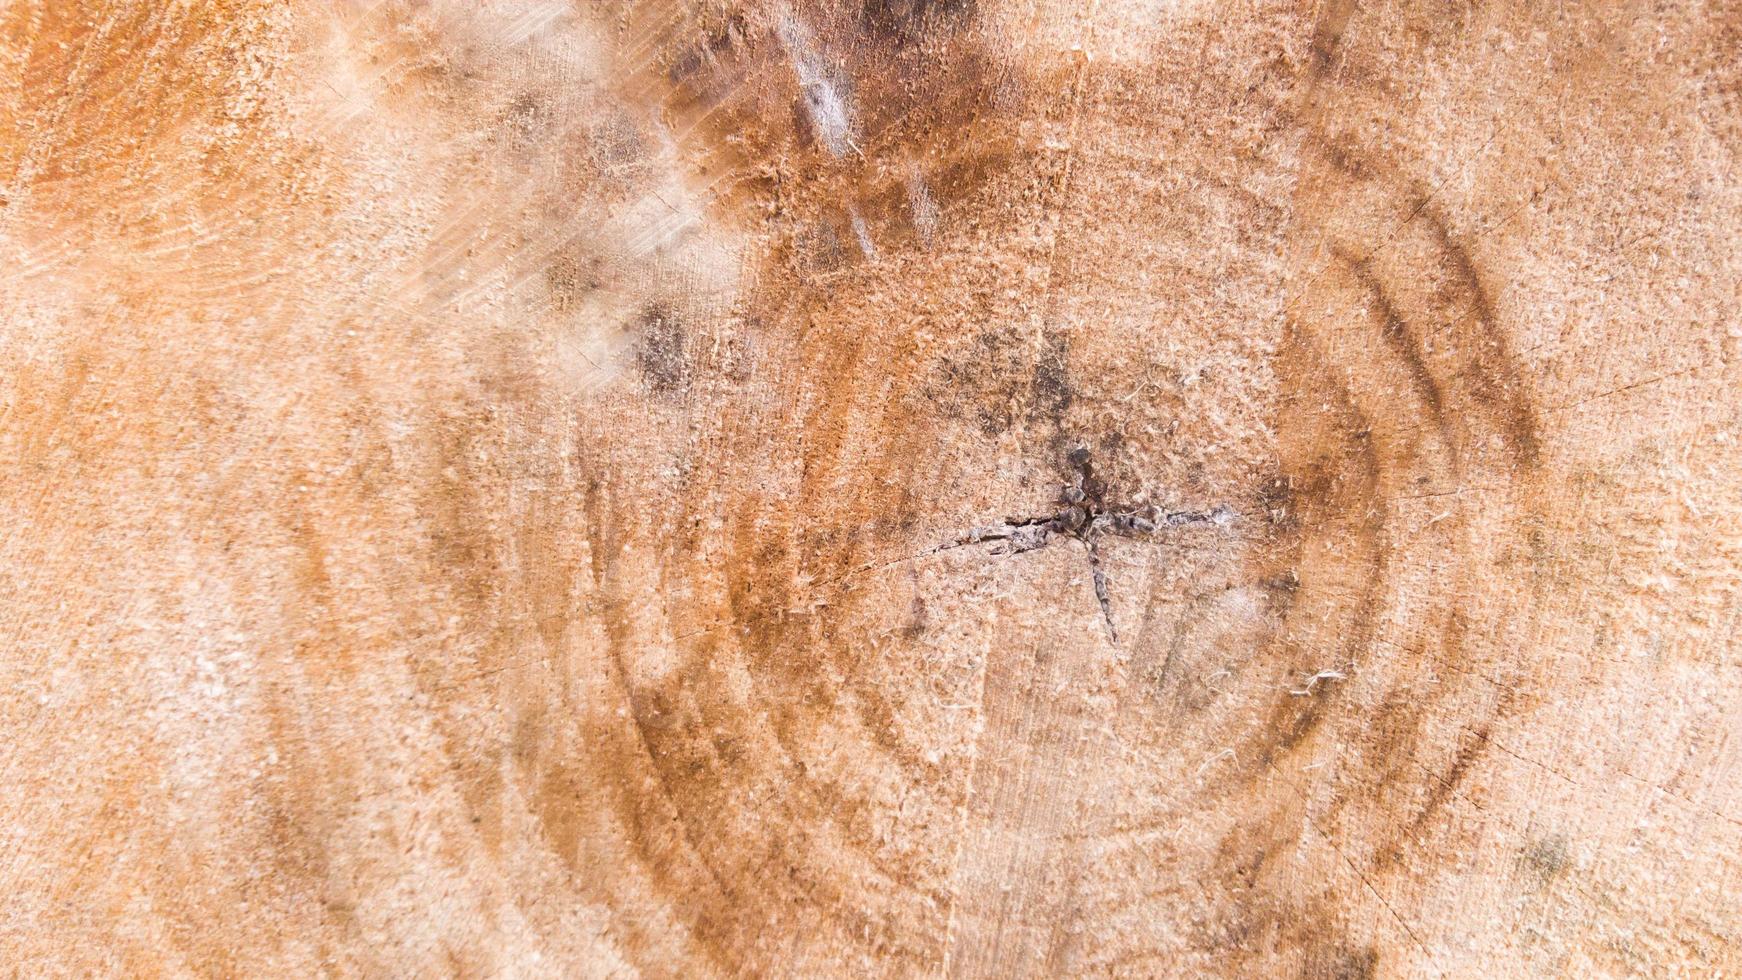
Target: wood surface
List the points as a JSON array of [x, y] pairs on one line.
[[521, 488]]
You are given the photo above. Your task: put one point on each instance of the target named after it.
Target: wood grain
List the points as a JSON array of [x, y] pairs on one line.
[[492, 488]]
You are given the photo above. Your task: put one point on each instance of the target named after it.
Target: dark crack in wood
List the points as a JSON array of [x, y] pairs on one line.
[[1084, 515]]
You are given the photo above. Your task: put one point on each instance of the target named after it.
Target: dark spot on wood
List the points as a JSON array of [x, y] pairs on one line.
[[526, 118], [909, 21], [1276, 496], [1050, 393], [617, 145], [720, 43], [1283, 587], [919, 617], [659, 352], [818, 249], [1547, 857], [1341, 963], [997, 380], [1328, 33]]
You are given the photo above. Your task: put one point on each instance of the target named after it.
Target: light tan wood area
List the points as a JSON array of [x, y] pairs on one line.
[[522, 488]]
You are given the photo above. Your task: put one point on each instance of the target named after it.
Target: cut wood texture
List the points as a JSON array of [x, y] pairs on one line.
[[870, 488]]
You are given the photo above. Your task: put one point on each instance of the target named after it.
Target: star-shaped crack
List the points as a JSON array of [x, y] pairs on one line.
[[1084, 514]]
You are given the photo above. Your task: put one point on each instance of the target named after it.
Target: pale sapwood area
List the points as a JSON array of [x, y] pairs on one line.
[[516, 488]]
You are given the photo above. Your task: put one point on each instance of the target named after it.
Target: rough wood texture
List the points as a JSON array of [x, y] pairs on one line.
[[490, 488]]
